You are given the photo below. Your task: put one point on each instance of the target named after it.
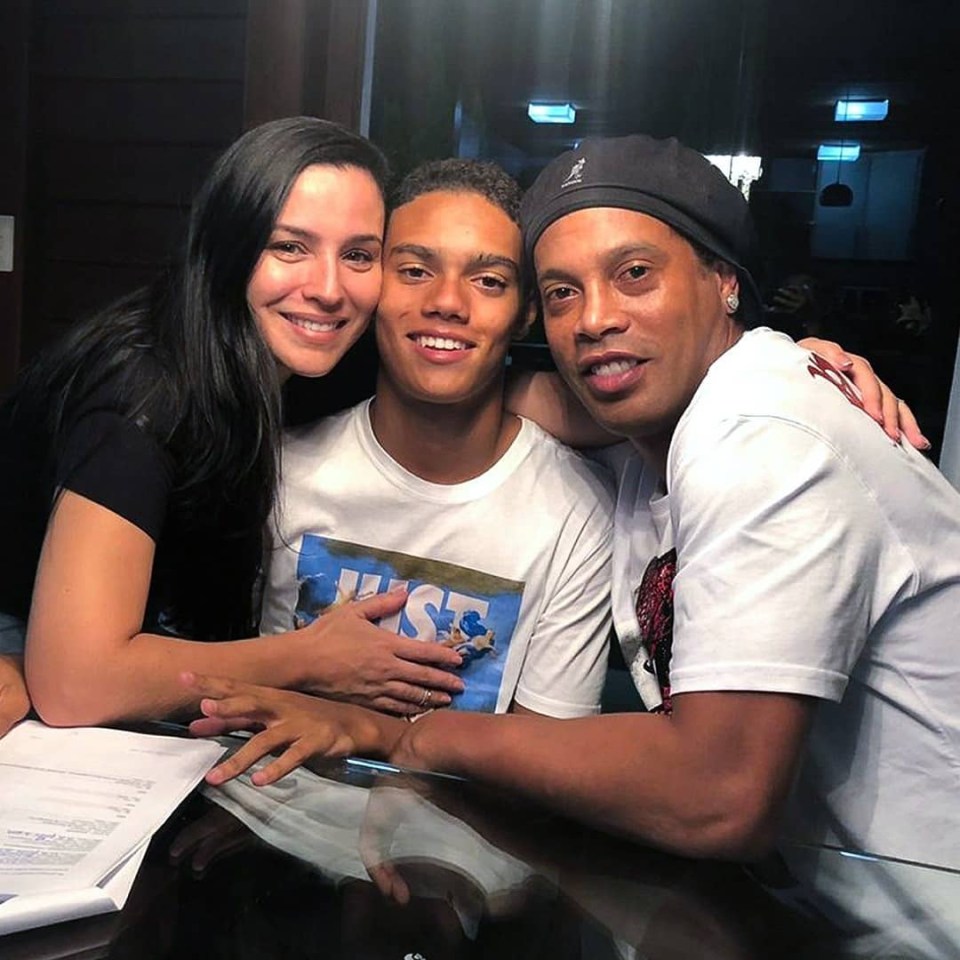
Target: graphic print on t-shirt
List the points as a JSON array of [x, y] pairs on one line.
[[473, 612], [655, 617]]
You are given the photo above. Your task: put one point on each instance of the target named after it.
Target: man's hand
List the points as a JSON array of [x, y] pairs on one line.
[[879, 402], [14, 702], [295, 724], [354, 660]]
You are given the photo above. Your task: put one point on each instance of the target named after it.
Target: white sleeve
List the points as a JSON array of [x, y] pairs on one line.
[[279, 582], [566, 660], [779, 545]]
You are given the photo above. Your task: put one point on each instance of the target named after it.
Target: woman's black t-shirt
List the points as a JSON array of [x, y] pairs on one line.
[[204, 561], [208, 546]]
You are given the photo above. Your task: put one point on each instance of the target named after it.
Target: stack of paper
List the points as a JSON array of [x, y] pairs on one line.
[[77, 809]]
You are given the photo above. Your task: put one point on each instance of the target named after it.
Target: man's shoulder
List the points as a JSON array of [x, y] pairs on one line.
[[767, 377], [773, 421]]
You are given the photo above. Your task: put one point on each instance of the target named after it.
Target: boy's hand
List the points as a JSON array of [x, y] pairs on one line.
[[295, 725]]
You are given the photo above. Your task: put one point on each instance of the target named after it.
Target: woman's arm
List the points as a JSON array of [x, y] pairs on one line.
[[88, 663], [14, 702]]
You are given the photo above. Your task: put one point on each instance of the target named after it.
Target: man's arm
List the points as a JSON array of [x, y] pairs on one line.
[[708, 781], [543, 397]]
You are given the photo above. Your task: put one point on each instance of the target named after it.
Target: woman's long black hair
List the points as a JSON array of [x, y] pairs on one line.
[[187, 362]]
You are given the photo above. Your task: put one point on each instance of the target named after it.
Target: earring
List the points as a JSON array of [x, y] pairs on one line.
[[733, 302]]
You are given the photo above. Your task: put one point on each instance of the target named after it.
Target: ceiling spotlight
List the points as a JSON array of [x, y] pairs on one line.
[[840, 152], [861, 111], [551, 112]]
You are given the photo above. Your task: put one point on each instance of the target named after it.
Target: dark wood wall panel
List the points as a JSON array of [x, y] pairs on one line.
[[140, 111], [124, 234], [156, 174], [15, 19], [183, 9], [131, 100], [147, 49]]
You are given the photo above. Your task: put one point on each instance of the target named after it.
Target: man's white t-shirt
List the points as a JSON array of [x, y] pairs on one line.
[[511, 568], [814, 556]]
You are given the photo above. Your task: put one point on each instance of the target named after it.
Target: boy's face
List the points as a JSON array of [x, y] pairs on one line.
[[451, 300]]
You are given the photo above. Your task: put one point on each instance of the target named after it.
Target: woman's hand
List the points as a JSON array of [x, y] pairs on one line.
[[14, 701], [879, 402], [296, 725], [354, 660]]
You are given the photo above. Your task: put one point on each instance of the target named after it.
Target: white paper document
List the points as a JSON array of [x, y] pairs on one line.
[[39, 910], [78, 804]]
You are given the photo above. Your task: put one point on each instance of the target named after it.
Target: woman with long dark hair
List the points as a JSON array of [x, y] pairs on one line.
[[139, 457]]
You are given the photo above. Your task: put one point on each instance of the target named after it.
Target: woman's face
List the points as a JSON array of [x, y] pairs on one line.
[[317, 281]]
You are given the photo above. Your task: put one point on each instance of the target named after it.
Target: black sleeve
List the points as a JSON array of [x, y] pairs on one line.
[[108, 459]]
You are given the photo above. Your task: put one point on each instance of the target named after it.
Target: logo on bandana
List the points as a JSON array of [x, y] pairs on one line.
[[575, 175], [655, 616]]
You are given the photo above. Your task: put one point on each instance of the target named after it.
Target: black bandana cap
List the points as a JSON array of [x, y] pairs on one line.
[[661, 178]]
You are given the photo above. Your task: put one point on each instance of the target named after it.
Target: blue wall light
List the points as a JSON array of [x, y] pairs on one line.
[[551, 112], [841, 152], [850, 111]]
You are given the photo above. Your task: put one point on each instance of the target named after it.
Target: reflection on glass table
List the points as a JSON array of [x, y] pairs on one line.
[[884, 907], [360, 861]]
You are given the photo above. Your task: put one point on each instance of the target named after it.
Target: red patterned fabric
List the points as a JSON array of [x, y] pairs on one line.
[[655, 615]]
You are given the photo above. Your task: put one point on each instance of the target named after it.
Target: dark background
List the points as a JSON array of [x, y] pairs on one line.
[[113, 110]]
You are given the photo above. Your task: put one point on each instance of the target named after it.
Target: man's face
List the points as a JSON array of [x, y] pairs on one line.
[[451, 298], [632, 316]]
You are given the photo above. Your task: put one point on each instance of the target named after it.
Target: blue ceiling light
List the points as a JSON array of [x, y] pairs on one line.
[[861, 111], [551, 112], [839, 152]]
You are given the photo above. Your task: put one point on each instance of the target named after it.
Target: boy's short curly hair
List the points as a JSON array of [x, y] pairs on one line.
[[484, 177]]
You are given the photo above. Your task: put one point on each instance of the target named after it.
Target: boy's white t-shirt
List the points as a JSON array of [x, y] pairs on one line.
[[511, 568]]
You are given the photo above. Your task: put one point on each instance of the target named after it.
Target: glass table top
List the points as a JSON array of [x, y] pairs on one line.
[[352, 859]]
